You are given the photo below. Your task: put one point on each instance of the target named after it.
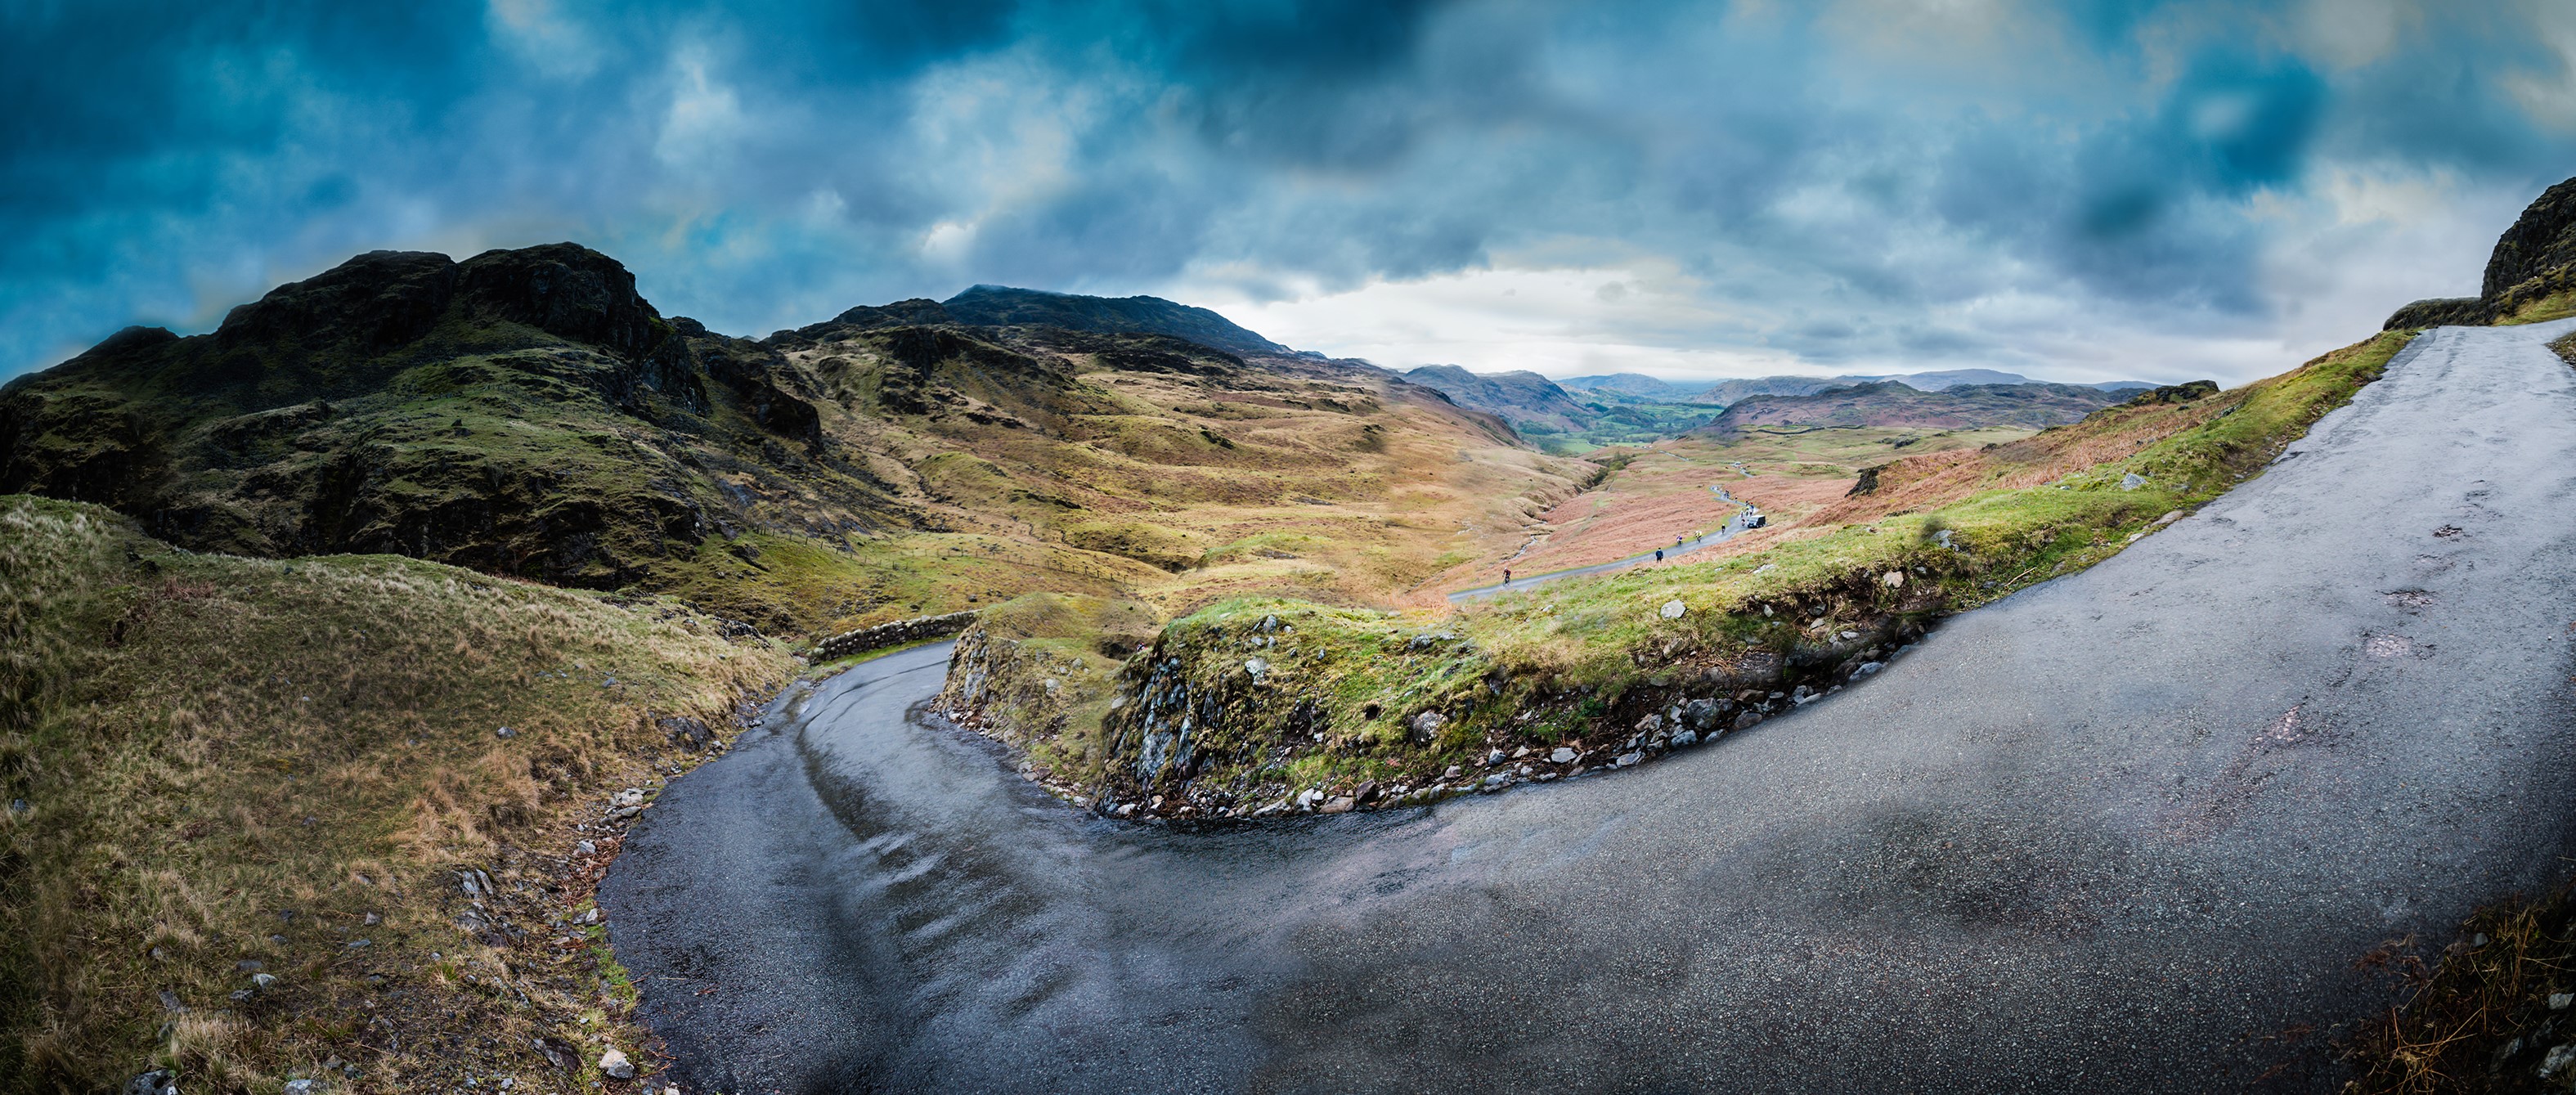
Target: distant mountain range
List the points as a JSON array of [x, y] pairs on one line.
[[1724, 393], [1636, 384], [1894, 404]]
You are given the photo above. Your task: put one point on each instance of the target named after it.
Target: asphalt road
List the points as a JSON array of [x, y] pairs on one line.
[[2125, 831]]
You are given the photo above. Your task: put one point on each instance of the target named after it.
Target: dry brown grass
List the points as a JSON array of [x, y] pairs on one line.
[[229, 761], [2476, 1016]]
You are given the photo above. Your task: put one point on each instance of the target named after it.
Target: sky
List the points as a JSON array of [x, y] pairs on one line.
[[2078, 191]]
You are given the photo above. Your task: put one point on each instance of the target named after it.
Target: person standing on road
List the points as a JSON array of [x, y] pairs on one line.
[[1659, 555], [1507, 575]]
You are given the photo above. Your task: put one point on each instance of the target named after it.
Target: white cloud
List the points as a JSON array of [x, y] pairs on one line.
[[705, 119]]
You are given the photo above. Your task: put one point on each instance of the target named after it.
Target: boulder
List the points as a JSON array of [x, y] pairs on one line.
[[1700, 715], [614, 1064]]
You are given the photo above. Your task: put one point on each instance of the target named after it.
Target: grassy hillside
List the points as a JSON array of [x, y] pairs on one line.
[[1244, 703], [526, 413], [224, 769]]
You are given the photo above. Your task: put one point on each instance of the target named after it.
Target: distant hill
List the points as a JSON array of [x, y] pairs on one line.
[[1636, 384], [1890, 403], [1728, 392], [1002, 306], [1951, 378], [1520, 397]]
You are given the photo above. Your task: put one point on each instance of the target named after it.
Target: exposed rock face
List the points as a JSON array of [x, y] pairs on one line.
[[2534, 259], [523, 412], [2540, 245]]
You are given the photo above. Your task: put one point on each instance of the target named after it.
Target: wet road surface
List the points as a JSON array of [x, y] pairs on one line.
[[2125, 831]]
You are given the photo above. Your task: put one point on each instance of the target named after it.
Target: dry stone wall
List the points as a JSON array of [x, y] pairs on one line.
[[892, 633]]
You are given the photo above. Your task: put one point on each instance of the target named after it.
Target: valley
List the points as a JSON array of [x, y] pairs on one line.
[[536, 551]]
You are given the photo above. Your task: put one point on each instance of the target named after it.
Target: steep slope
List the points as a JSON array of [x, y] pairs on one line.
[[1001, 306], [1964, 406], [2530, 276]]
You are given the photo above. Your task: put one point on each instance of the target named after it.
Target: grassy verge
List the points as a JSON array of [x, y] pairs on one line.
[[2479, 1014], [1244, 703], [248, 797]]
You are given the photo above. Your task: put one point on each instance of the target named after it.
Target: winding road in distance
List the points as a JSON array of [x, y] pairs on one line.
[[2125, 831], [1725, 532]]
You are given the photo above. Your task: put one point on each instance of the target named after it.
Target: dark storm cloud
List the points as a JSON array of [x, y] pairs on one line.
[[762, 169]]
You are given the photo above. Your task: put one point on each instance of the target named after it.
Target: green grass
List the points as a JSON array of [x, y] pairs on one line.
[[1583, 658], [209, 744]]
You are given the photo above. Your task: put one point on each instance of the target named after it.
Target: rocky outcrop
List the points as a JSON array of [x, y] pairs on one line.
[[2189, 392], [522, 412], [2534, 260], [2440, 312], [1218, 717]]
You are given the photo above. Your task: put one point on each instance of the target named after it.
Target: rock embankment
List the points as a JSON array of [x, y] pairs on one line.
[[1252, 717], [891, 634]]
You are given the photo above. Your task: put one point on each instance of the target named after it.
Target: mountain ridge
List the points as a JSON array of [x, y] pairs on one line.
[[529, 413], [1002, 306], [1891, 403]]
